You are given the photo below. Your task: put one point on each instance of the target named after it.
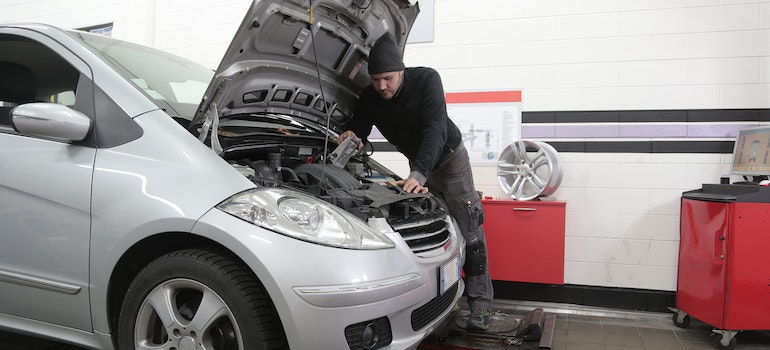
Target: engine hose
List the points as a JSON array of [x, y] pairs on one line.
[[292, 174]]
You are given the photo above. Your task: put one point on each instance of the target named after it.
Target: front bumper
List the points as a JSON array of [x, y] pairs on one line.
[[400, 322], [332, 298]]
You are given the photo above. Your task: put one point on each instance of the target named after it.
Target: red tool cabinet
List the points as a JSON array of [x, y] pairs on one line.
[[724, 259], [525, 240]]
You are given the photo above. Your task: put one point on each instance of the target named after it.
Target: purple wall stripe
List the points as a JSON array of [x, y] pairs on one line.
[[633, 130]]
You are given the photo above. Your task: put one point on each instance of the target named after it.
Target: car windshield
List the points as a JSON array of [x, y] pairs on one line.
[[174, 83]]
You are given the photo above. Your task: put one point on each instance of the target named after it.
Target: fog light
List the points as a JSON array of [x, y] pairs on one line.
[[369, 336]]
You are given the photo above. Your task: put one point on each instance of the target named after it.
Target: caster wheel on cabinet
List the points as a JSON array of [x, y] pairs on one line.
[[684, 323]]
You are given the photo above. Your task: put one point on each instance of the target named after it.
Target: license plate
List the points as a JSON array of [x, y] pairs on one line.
[[449, 274]]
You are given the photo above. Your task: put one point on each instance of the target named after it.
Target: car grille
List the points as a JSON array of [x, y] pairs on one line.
[[425, 314], [423, 236]]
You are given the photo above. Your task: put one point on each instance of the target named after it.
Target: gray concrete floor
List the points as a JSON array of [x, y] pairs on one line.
[[586, 328], [576, 332], [576, 328]]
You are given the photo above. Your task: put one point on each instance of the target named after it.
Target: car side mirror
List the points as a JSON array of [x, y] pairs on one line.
[[50, 120]]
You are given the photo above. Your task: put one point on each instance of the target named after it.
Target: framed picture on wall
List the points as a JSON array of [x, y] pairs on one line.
[[489, 121]]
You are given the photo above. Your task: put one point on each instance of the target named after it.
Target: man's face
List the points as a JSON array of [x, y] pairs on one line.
[[387, 83]]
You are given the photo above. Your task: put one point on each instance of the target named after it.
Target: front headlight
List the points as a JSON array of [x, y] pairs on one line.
[[304, 217]]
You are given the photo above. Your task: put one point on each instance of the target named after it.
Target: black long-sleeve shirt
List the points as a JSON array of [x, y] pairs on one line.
[[415, 121]]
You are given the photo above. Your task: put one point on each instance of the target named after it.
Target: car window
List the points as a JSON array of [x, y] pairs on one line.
[[175, 84], [66, 98], [31, 72]]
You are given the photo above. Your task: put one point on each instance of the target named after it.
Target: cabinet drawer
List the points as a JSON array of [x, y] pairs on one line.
[[525, 240]]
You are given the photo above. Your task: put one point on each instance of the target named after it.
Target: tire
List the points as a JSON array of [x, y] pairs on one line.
[[198, 299]]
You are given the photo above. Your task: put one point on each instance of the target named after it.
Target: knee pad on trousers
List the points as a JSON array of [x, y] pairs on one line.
[[476, 259]]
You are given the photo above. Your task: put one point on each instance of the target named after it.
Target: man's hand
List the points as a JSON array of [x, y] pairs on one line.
[[411, 185], [347, 134]]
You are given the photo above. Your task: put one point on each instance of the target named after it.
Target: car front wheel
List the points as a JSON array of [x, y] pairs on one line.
[[198, 299]]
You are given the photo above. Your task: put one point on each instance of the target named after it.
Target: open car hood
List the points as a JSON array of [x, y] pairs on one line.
[[271, 65]]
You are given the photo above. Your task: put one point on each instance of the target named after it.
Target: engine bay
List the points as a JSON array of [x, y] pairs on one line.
[[299, 158]]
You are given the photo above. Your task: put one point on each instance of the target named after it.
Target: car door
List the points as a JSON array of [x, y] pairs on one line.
[[45, 187]]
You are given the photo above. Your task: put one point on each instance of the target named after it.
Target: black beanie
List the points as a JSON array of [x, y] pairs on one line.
[[385, 56]]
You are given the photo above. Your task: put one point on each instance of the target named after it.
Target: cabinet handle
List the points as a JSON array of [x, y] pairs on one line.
[[524, 209]]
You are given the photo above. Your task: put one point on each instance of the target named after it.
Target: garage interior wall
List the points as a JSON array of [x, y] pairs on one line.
[[584, 58]]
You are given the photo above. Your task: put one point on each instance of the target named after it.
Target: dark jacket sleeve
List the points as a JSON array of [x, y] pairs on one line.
[[360, 123], [434, 120]]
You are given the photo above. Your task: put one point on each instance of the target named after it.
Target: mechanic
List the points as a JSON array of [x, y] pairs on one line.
[[408, 106]]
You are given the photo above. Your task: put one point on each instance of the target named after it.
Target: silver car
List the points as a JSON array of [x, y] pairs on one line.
[[147, 202]]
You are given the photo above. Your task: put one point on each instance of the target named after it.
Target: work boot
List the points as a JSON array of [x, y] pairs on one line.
[[478, 320]]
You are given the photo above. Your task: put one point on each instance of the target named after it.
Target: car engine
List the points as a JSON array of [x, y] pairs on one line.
[[300, 159]]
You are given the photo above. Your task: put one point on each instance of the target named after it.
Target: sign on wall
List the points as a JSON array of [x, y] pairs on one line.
[[489, 121]]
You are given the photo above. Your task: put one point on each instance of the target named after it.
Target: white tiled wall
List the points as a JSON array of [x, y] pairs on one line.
[[622, 223], [593, 55], [200, 30], [622, 209], [622, 220]]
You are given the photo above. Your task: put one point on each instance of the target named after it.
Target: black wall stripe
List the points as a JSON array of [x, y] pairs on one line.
[[648, 116], [721, 147]]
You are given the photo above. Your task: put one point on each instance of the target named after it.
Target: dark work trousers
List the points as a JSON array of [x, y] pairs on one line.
[[452, 181]]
